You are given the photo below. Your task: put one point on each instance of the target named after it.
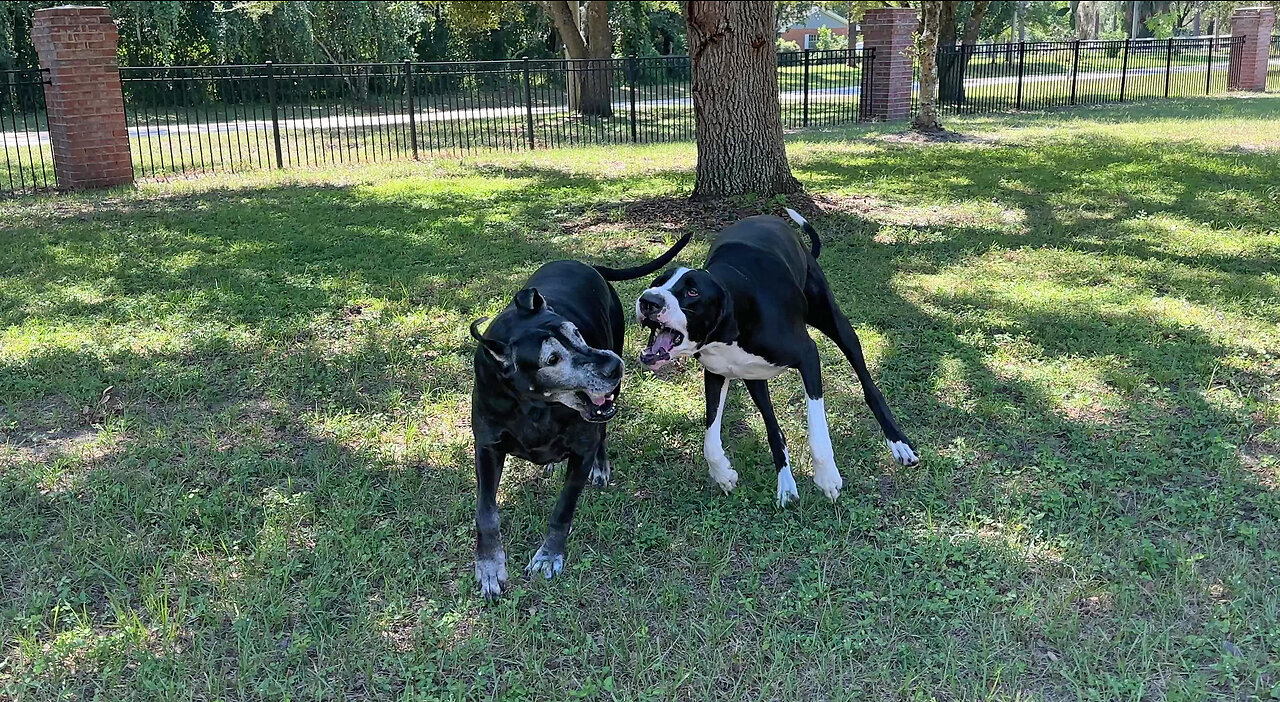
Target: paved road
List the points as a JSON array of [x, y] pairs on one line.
[[426, 118]]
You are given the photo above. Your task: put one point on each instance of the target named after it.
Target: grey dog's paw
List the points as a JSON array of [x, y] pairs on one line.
[[546, 563], [601, 473], [549, 469], [491, 573]]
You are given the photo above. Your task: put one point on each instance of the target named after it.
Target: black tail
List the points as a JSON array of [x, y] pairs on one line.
[[614, 274], [816, 243]]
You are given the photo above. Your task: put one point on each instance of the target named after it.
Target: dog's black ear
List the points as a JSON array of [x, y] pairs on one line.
[[725, 329], [497, 349], [530, 300]]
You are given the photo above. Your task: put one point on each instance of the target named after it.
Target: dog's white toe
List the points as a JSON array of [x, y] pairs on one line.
[[548, 564], [491, 574], [787, 491], [902, 453]]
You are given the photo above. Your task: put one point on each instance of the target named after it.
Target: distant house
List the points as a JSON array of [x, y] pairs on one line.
[[805, 33]]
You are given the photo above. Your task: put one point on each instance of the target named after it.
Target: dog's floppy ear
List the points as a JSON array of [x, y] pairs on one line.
[[497, 349], [529, 300]]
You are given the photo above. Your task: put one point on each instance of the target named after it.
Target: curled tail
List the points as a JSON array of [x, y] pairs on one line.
[[615, 274], [816, 243]]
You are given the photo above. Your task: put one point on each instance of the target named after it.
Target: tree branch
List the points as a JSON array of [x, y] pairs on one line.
[[567, 25]]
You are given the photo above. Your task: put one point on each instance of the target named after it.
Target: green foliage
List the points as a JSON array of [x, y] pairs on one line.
[[1162, 25], [785, 45], [829, 40]]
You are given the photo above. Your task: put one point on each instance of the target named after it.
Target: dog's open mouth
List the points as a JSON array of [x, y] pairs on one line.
[[600, 408], [661, 341]]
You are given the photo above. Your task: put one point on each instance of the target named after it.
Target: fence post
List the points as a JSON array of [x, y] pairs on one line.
[[275, 112], [1251, 27], [806, 88], [634, 81], [1208, 66], [88, 127], [1075, 68], [1022, 59], [867, 65], [1124, 69], [528, 100], [413, 119], [1168, 66]]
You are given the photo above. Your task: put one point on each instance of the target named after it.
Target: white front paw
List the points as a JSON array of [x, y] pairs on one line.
[[903, 453], [828, 480]]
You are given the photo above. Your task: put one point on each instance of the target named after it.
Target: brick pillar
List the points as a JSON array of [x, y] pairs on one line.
[[85, 107], [1248, 70], [889, 31]]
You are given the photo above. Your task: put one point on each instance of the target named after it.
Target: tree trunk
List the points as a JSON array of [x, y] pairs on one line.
[[1086, 19], [590, 74], [735, 99], [946, 57], [927, 117], [951, 80]]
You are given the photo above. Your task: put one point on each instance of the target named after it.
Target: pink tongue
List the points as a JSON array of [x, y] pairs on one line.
[[664, 341], [597, 401]]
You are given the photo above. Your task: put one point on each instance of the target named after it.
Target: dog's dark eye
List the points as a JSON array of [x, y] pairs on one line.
[[553, 359], [691, 292]]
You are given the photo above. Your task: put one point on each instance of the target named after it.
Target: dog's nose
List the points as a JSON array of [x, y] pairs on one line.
[[611, 369], [651, 304]]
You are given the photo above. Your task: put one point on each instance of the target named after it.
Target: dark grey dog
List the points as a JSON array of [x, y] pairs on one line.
[[547, 379]]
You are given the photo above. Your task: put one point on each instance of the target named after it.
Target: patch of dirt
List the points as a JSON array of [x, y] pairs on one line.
[[943, 136]]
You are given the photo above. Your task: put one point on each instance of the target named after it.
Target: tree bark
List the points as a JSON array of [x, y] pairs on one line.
[[735, 99], [927, 117], [953, 64], [589, 49], [1086, 19]]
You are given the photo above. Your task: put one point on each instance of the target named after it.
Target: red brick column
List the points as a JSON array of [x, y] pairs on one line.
[[85, 106], [889, 31], [1248, 70]]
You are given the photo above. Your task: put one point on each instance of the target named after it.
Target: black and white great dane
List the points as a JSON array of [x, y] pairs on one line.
[[547, 376], [744, 316]]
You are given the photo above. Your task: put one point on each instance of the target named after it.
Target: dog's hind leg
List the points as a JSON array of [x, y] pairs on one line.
[[491, 560], [787, 492], [601, 469], [825, 474], [826, 317], [716, 388], [549, 560]]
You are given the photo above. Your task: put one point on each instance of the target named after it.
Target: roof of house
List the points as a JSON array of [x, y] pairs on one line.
[[818, 18]]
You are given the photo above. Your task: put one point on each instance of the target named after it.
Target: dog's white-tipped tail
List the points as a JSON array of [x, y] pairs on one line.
[[795, 217]]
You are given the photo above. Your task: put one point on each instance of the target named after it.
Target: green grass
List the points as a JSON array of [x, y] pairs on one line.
[[235, 453]]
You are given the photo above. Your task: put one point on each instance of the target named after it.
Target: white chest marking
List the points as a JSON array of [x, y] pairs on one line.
[[731, 361]]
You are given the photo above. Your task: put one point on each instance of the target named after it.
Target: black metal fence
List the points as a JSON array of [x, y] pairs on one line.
[[1273, 66], [26, 158], [233, 118], [1034, 75]]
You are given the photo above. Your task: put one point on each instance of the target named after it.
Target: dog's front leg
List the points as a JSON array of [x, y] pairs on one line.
[[716, 388], [549, 560], [491, 560]]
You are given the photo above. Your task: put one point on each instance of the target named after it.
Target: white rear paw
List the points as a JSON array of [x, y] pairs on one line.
[[902, 453], [787, 491], [828, 481]]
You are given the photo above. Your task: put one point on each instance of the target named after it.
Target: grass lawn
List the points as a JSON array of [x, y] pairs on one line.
[[235, 460]]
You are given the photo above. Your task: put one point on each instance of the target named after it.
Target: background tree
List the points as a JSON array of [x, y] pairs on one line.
[[952, 64], [735, 99], [926, 119], [584, 29]]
